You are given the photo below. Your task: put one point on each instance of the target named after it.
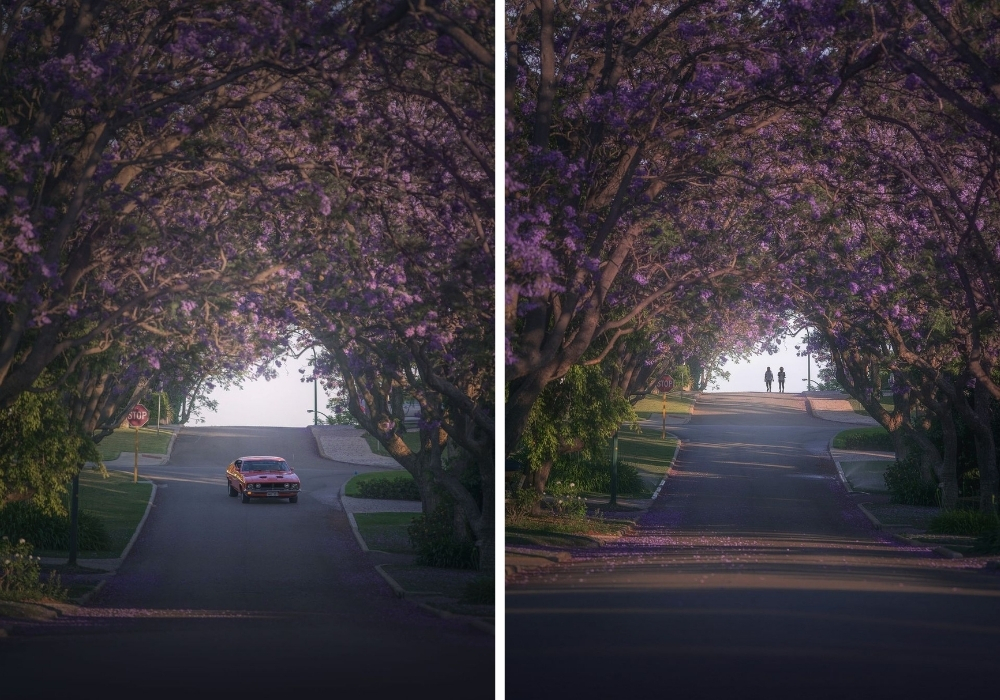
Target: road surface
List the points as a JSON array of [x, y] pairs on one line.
[[754, 575], [259, 599]]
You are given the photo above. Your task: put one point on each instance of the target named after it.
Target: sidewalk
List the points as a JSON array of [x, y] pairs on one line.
[[863, 474], [434, 589]]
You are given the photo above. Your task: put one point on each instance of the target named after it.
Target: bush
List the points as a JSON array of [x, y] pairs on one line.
[[433, 538], [902, 480], [20, 573], [24, 519], [964, 522], [566, 499], [480, 591], [987, 543], [518, 504], [395, 488], [595, 476], [864, 439]]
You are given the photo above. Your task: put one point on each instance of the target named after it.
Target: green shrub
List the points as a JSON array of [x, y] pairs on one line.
[[433, 538], [20, 573], [595, 476], [395, 488], [479, 591], [964, 522], [988, 542], [518, 503], [864, 439], [902, 480], [566, 499], [24, 519]]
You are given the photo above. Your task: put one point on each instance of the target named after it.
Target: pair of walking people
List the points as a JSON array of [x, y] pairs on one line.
[[769, 377]]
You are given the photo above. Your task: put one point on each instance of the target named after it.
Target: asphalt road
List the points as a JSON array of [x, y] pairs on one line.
[[249, 600], [754, 575]]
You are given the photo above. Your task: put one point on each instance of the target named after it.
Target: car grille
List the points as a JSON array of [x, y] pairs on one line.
[[267, 486]]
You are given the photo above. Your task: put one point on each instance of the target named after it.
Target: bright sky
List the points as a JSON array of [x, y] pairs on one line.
[[281, 402], [749, 374]]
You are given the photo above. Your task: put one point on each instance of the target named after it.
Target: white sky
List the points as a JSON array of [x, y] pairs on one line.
[[749, 374], [280, 402], [283, 401]]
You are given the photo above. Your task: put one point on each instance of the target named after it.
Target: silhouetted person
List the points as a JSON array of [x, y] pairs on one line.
[[768, 378], [781, 380]]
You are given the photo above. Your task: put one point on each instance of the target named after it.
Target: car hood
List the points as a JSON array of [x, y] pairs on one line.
[[270, 476]]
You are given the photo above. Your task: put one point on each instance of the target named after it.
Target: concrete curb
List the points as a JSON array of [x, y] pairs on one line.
[[836, 463], [670, 468], [138, 528], [399, 590], [878, 524], [475, 622], [351, 520]]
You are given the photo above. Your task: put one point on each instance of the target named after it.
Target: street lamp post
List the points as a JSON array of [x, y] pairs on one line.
[[315, 391], [317, 414]]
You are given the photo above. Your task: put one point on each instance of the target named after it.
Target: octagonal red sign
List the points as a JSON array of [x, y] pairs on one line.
[[138, 416], [665, 383]]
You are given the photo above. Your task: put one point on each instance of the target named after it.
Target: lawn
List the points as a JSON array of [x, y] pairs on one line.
[[652, 406], [351, 487], [123, 441], [118, 502], [386, 532], [412, 440], [555, 531], [646, 450], [887, 404], [874, 438]]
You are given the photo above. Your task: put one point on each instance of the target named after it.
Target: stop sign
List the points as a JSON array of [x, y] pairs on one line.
[[138, 416], [665, 384]]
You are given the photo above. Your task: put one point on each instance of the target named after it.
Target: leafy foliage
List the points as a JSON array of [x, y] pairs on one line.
[[23, 519], [903, 481], [577, 414], [595, 476], [40, 450], [964, 522], [20, 573], [390, 487], [433, 537], [864, 439]]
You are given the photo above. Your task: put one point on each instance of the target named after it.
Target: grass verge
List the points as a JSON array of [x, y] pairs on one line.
[[352, 487], [647, 452], [122, 441], [887, 404], [875, 438], [411, 439], [677, 405], [386, 532], [117, 502], [555, 531]]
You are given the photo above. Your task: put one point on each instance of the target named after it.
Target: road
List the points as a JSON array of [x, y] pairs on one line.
[[247, 599], [754, 575]]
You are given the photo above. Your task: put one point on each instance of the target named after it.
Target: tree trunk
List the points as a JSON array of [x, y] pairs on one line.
[[948, 473], [986, 451], [74, 518], [538, 479]]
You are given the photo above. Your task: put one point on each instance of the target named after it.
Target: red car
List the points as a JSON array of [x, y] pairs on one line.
[[262, 477]]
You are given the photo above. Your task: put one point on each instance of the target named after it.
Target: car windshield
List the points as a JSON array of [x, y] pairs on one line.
[[264, 465]]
